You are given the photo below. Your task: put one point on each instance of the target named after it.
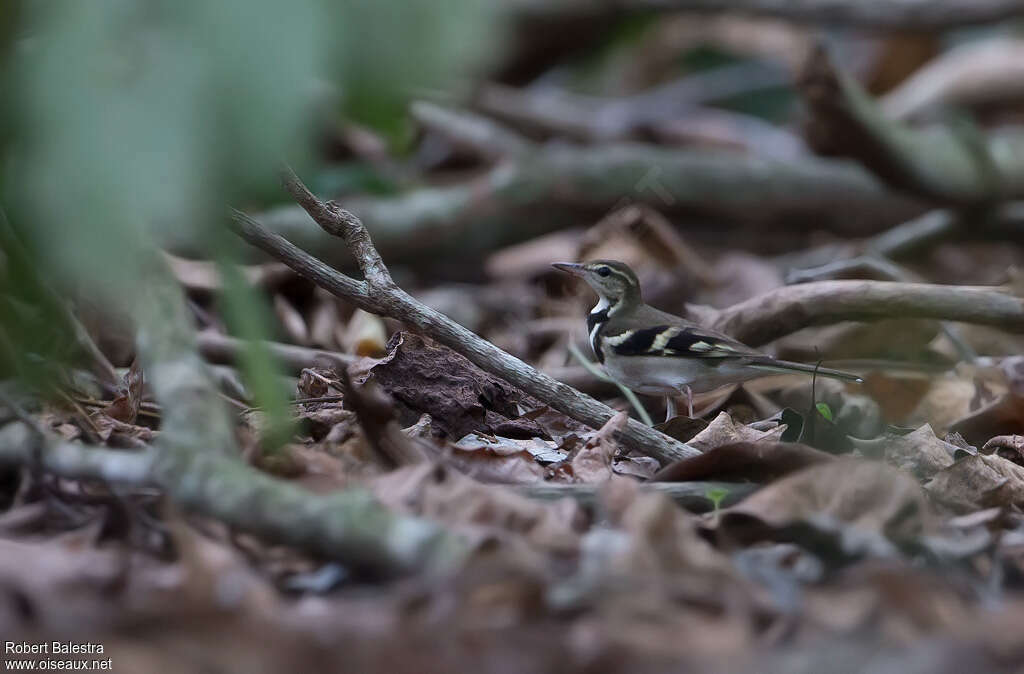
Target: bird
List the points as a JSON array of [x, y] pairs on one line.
[[657, 353]]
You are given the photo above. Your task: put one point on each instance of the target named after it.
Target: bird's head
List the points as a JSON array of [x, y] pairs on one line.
[[612, 280]]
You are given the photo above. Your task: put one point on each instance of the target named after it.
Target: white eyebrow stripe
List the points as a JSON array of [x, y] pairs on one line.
[[662, 339]]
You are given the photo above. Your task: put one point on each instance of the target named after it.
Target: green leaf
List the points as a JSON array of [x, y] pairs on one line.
[[824, 410], [716, 495], [250, 318]]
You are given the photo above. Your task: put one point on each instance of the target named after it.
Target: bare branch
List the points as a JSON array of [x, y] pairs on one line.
[[860, 266], [978, 73], [597, 118], [558, 186], [472, 132], [219, 348], [349, 526], [1003, 222], [194, 415], [336, 221], [788, 309]]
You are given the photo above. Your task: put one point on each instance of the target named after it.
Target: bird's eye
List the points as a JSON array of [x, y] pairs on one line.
[[604, 271]]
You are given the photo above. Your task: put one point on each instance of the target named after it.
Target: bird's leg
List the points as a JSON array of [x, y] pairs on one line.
[[689, 402], [670, 407]]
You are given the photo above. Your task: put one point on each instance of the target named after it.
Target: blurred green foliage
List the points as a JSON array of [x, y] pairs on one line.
[[133, 122]]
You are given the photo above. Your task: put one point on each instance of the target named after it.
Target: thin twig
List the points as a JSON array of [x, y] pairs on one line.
[[689, 495], [220, 348], [305, 401], [627, 394], [146, 409], [336, 221]]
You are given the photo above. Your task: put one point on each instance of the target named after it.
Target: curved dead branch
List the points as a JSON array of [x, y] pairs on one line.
[[977, 73], [785, 310], [473, 133], [553, 187]]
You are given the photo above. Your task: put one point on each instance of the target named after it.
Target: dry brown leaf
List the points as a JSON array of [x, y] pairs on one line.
[[318, 420], [593, 461], [981, 481], [865, 495], [744, 461], [948, 399], [902, 602], [463, 503], [494, 460], [322, 471], [682, 427], [657, 585], [724, 431], [125, 407], [555, 424], [920, 452], [119, 434], [642, 467], [664, 538], [427, 378], [897, 396], [58, 582], [365, 335], [312, 383], [1003, 416]]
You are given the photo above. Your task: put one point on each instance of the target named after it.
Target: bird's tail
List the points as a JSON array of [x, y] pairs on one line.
[[773, 365]]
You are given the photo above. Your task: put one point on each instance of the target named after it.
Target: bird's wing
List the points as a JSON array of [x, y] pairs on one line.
[[676, 339]]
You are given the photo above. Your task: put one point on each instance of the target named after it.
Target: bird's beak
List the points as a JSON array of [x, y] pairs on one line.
[[573, 268]]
